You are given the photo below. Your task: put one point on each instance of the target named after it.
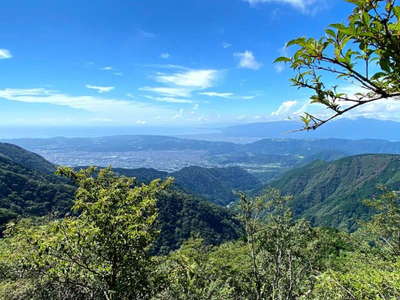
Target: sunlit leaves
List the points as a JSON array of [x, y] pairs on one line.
[[364, 52]]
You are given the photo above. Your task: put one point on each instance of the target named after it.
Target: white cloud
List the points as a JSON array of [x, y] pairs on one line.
[[141, 122], [226, 45], [216, 94], [196, 106], [5, 54], [248, 97], [167, 91], [299, 4], [100, 89], [118, 73], [285, 108], [108, 68], [386, 109], [200, 79], [165, 55], [114, 109], [169, 99], [247, 60]]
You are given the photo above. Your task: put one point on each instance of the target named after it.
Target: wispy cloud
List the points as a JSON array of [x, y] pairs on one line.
[[285, 108], [165, 55], [226, 45], [166, 66], [247, 60], [170, 99], [5, 54], [100, 89], [107, 68], [167, 91], [248, 97], [300, 4], [199, 79], [113, 109], [217, 94]]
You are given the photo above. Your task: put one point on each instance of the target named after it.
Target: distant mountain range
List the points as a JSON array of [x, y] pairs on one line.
[[128, 143], [361, 128]]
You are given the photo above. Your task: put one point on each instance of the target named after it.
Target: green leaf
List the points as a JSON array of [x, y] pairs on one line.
[[282, 59], [299, 41]]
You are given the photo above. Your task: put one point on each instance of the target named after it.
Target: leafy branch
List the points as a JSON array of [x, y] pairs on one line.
[[364, 52]]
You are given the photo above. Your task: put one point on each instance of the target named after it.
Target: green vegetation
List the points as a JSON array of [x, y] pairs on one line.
[[214, 184], [25, 192], [104, 251], [364, 51], [330, 194]]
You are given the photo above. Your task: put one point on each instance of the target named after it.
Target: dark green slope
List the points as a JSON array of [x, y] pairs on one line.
[[182, 216], [25, 158], [330, 193], [25, 192], [214, 184]]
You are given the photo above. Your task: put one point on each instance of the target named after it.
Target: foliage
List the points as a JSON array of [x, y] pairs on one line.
[[281, 249], [182, 216], [365, 52], [372, 270], [196, 272], [101, 254], [25, 192]]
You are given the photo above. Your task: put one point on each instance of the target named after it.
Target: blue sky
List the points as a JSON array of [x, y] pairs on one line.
[[154, 62]]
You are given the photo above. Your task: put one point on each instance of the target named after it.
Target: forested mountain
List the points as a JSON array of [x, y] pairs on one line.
[[214, 184], [331, 193], [25, 158], [27, 192], [30, 190], [182, 216]]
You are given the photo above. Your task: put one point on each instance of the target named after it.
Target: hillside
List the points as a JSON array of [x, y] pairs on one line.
[[32, 191], [25, 158], [26, 192], [330, 193], [214, 184]]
